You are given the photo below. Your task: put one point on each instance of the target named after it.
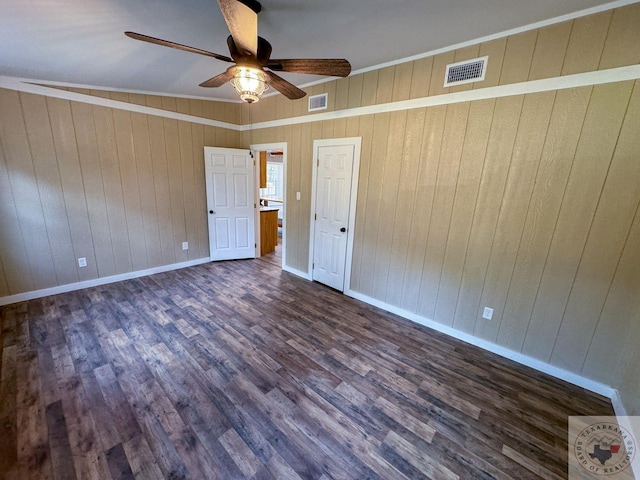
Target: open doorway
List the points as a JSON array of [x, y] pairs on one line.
[[271, 165]]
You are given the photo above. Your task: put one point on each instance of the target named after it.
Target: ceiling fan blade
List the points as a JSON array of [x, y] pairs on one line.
[[166, 43], [264, 51], [243, 25], [289, 90], [218, 80], [334, 67]]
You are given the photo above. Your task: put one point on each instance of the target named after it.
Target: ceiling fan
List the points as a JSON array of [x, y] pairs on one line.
[[251, 55]]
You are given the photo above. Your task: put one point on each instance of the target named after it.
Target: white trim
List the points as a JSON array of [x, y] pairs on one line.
[[624, 421], [126, 90], [297, 272], [599, 77], [618, 406], [277, 146], [256, 187], [21, 86], [535, 86], [356, 142], [70, 287], [312, 207], [518, 357]]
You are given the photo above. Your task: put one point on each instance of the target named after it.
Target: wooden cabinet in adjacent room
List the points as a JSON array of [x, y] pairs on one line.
[[268, 229]]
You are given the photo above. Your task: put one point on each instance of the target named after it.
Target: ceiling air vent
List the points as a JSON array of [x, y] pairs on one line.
[[465, 72], [318, 102]]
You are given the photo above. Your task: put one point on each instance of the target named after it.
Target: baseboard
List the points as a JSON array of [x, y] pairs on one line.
[[518, 357], [625, 421], [70, 287], [297, 272], [618, 406]]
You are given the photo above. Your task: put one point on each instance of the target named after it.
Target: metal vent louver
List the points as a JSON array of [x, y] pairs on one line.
[[465, 72], [318, 102]]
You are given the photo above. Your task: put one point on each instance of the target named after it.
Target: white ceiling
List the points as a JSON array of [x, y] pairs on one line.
[[82, 41]]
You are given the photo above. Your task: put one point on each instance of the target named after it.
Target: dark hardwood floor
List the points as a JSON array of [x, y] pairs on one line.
[[238, 370], [275, 257]]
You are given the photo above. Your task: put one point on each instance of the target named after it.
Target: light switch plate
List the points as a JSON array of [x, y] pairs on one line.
[[82, 262], [487, 313]]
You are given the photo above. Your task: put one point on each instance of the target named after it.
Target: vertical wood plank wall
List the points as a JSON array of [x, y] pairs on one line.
[[122, 189], [527, 204]]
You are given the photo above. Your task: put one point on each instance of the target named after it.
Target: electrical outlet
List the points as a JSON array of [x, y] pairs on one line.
[[487, 313], [185, 245], [82, 262], [297, 195]]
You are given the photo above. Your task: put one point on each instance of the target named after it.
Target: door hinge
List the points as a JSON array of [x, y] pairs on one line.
[[255, 245], [318, 162], [313, 266], [315, 216], [251, 153], [254, 163]]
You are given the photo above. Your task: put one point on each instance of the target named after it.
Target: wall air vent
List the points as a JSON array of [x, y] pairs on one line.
[[318, 102], [465, 72]]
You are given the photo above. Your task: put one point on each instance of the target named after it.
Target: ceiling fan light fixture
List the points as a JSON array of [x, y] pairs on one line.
[[250, 83], [254, 70]]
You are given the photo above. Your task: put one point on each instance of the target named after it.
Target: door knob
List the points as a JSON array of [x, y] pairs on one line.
[[211, 212], [343, 229]]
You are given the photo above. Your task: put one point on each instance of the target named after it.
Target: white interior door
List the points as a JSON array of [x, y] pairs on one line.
[[332, 207], [230, 202]]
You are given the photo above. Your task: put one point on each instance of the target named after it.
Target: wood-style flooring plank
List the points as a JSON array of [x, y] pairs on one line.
[[238, 370]]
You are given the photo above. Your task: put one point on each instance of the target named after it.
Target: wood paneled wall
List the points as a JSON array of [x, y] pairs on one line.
[[526, 204], [122, 189]]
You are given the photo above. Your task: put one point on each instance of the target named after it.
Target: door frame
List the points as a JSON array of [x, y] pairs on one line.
[[356, 142], [261, 147]]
